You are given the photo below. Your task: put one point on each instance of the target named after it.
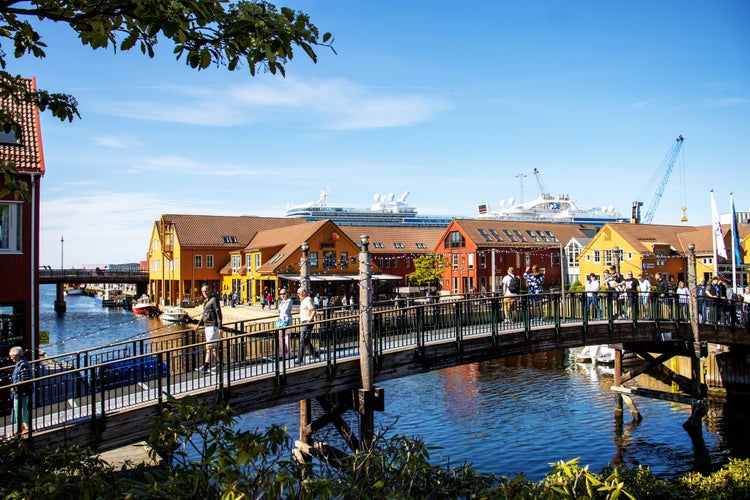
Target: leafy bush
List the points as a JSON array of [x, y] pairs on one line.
[[204, 456]]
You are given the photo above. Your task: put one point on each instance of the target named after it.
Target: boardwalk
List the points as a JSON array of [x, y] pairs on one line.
[[107, 395]]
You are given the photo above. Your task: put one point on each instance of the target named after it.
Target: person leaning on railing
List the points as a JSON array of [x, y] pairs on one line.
[[21, 392]]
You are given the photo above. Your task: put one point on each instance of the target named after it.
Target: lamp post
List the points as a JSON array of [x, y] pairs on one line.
[[304, 267], [367, 420]]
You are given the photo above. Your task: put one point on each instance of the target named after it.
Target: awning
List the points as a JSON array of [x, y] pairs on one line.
[[386, 277]]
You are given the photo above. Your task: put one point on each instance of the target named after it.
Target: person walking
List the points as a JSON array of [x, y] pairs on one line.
[[307, 313], [644, 287], [21, 393], [683, 297], [285, 319], [211, 319], [511, 289], [592, 296]]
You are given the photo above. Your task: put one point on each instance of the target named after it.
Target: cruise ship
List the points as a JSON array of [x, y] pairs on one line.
[[386, 210], [548, 208]]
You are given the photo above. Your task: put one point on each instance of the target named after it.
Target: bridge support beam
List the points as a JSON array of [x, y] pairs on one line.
[[60, 305]]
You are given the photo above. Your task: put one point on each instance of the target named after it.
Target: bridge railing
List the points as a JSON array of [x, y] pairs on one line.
[[90, 384]]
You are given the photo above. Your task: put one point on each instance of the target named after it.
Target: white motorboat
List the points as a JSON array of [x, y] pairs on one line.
[[174, 315], [597, 354]]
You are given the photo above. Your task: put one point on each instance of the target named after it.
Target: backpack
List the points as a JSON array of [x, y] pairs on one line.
[[514, 286]]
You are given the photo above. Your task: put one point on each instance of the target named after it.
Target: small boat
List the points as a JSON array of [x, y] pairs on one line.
[[145, 305], [597, 354], [73, 290], [174, 315]]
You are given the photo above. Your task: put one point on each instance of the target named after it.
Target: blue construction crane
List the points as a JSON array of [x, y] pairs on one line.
[[656, 185]]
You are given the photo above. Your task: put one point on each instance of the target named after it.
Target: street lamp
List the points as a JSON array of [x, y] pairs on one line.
[[304, 267]]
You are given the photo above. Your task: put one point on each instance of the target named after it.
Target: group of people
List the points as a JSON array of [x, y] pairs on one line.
[[511, 284]]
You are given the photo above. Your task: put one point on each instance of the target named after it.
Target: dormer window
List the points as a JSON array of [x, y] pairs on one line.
[[229, 239], [11, 138]]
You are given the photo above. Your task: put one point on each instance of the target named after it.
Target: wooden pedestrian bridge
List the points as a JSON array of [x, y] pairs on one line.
[[107, 396]]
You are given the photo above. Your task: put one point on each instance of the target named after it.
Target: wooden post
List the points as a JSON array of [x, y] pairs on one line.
[[366, 418], [695, 360], [617, 382], [305, 412]]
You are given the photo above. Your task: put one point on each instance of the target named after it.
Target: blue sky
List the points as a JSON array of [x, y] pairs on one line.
[[449, 101]]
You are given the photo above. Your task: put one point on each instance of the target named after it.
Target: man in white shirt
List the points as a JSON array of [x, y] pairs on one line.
[[592, 296], [510, 297], [307, 313]]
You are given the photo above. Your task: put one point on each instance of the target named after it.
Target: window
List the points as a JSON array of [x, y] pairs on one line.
[[455, 260], [471, 261], [257, 261], [329, 259], [421, 246], [608, 258], [10, 227], [574, 252], [344, 260], [395, 263], [708, 261], [597, 256], [377, 244], [249, 263], [552, 237], [509, 235], [12, 324], [520, 236], [630, 255], [313, 259], [11, 138], [482, 260], [455, 240], [276, 258], [198, 261], [398, 245], [236, 263], [542, 236], [210, 261], [484, 235], [229, 239], [497, 237], [533, 235], [407, 262]]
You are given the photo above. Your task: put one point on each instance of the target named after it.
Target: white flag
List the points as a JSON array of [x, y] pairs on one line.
[[719, 246]]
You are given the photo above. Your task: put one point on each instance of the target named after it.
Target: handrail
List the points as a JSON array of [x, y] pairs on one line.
[[95, 384]]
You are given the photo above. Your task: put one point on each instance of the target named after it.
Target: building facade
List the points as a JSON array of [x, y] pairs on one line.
[[19, 227]]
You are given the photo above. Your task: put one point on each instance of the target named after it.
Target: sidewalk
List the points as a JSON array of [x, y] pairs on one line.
[[239, 313]]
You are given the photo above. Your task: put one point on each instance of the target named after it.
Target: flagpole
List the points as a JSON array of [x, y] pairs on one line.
[[720, 247], [734, 248]]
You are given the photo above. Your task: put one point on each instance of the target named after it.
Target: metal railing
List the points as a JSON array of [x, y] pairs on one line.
[[92, 383]]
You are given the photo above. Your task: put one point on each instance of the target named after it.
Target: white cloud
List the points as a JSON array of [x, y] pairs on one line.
[[337, 103]]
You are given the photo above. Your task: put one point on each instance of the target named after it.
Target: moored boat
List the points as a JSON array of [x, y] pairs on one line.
[[144, 305], [174, 315]]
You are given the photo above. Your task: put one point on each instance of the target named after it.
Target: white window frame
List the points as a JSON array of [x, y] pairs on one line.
[[11, 240], [209, 261], [198, 261]]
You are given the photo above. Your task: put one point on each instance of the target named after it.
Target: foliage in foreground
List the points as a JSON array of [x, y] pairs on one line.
[[209, 458]]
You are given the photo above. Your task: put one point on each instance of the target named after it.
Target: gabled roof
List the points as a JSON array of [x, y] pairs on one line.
[[222, 231], [643, 237], [392, 237], [28, 155], [284, 241], [474, 229]]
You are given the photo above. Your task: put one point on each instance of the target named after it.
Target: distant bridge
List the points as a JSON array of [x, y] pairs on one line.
[[107, 396], [47, 276]]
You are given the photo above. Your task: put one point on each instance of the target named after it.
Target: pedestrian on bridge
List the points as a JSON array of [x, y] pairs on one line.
[[284, 320], [592, 296], [511, 289], [21, 393], [307, 313], [211, 319]]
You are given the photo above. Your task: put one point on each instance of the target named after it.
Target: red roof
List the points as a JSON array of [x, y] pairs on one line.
[[27, 155]]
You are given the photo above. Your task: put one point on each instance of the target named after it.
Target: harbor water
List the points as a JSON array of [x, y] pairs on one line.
[[512, 415]]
